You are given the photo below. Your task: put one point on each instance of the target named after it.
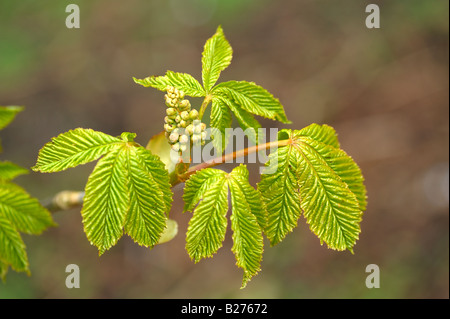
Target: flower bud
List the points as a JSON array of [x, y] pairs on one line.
[[184, 139], [182, 123], [181, 94], [184, 115], [178, 119], [203, 126], [197, 129], [183, 147], [176, 147], [168, 128], [190, 129], [185, 104], [173, 137], [171, 111], [203, 136], [196, 138], [193, 114]]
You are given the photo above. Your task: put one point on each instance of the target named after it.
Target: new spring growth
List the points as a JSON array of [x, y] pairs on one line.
[[181, 123]]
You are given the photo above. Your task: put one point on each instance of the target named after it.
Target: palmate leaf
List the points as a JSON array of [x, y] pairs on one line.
[[24, 212], [19, 212], [182, 81], [216, 57], [73, 148], [253, 99], [128, 190], [12, 248], [313, 175], [208, 189]]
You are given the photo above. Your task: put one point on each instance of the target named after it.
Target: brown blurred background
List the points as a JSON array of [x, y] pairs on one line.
[[384, 90]]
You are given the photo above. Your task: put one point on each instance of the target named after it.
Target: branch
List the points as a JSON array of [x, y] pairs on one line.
[[64, 200], [229, 157]]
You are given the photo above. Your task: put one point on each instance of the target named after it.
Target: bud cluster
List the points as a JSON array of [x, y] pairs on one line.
[[181, 123]]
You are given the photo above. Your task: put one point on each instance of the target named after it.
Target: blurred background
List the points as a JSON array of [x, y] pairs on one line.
[[384, 90]]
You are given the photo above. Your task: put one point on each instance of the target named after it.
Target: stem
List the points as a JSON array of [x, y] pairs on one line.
[[228, 157], [64, 200], [205, 103]]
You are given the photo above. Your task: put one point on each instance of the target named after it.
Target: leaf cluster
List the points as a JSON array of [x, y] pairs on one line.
[[19, 212]]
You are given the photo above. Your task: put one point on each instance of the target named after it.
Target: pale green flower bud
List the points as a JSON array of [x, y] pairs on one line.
[[183, 147], [178, 119], [203, 135], [196, 138], [190, 129], [185, 104], [197, 129], [171, 111], [184, 115], [173, 137], [184, 139], [193, 114], [181, 94], [182, 123], [168, 128], [176, 147]]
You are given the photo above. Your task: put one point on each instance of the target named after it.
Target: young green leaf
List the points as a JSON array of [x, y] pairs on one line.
[[323, 180], [253, 99], [246, 120], [9, 171], [146, 218], [182, 81], [73, 148], [128, 190], [246, 220], [216, 57], [106, 200], [279, 193], [207, 227], [12, 248], [209, 189], [7, 114], [24, 212], [220, 121]]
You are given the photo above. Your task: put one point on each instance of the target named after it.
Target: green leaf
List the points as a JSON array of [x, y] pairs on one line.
[[106, 200], [207, 227], [220, 121], [253, 99], [128, 190], [24, 212], [7, 114], [323, 180], [246, 120], [12, 248], [73, 148], [216, 57], [146, 219], [209, 189], [182, 81], [279, 193], [9, 171], [246, 220]]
